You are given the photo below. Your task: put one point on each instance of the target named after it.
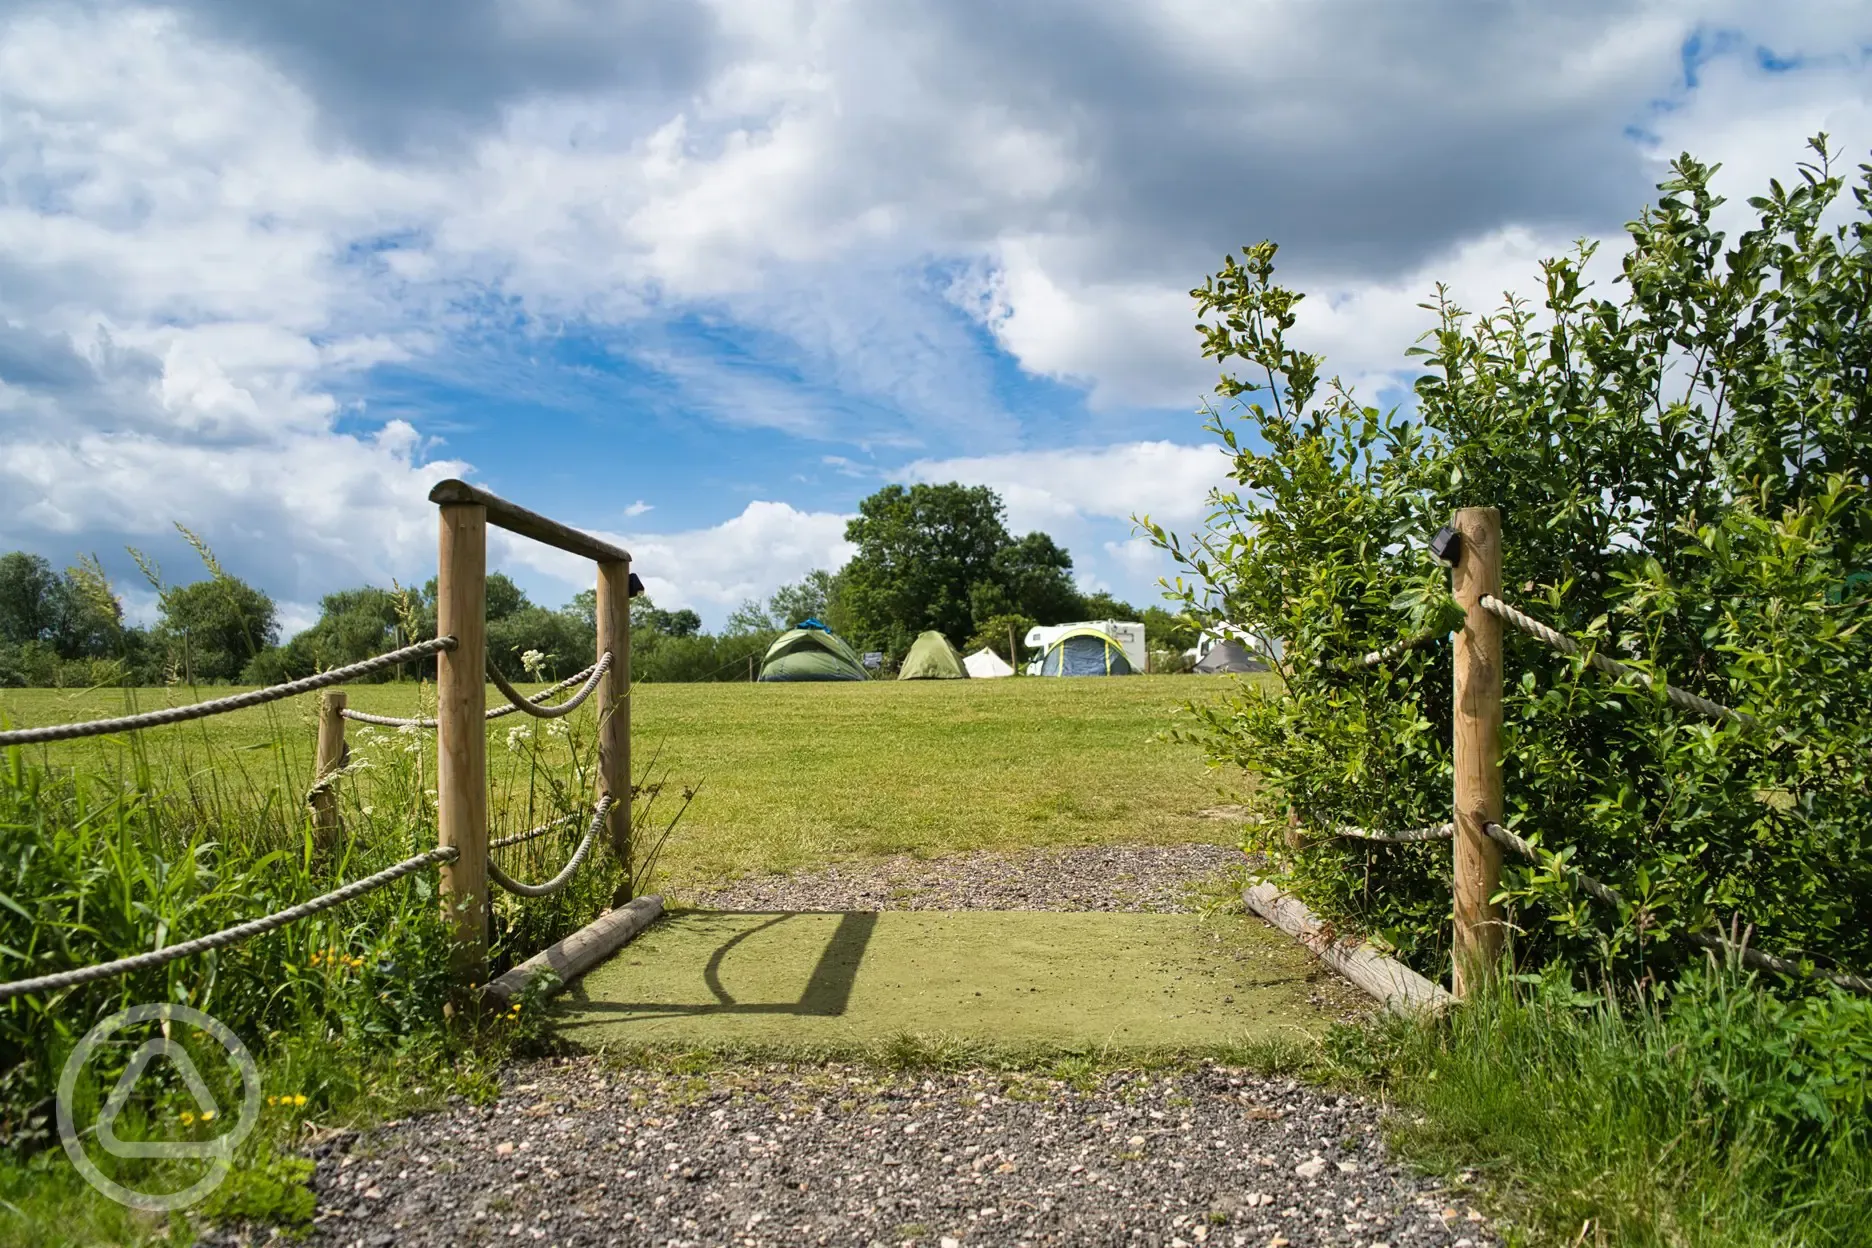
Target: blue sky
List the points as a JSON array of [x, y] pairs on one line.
[[700, 276]]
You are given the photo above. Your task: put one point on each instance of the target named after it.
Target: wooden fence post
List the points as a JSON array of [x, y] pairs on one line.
[[614, 762], [331, 758], [461, 732], [1477, 943]]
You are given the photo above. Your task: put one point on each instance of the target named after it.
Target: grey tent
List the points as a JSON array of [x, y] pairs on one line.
[[1229, 655]]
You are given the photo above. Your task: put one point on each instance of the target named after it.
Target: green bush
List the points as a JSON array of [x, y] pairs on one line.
[[1682, 474]]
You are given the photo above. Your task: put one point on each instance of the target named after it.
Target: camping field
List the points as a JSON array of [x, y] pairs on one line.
[[785, 776]]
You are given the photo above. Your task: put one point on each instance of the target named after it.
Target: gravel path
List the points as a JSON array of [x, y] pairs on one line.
[[578, 1153], [1100, 877]]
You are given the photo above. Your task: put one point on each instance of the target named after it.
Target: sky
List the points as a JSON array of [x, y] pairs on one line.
[[699, 277]]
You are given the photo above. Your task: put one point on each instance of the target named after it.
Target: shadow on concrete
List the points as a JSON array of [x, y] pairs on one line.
[[828, 989]]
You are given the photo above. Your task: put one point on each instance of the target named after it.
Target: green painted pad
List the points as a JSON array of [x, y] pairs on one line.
[[1012, 978]]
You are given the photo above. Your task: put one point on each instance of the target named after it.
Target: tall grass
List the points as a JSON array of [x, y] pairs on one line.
[[353, 1012], [1723, 1115]]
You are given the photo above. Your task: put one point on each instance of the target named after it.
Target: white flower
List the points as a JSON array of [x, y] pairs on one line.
[[516, 737], [532, 660]]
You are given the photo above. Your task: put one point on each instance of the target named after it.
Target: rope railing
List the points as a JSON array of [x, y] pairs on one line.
[[519, 701], [1612, 667], [1717, 943], [1398, 649], [566, 872], [1410, 836], [502, 842], [395, 721], [220, 706], [232, 935]]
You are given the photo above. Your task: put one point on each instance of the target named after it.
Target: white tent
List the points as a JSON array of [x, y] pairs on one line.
[[985, 664]]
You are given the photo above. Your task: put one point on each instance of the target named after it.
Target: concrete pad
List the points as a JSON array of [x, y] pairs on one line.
[[1011, 978]]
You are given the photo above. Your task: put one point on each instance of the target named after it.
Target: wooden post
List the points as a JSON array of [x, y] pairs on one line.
[[331, 758], [1013, 652], [461, 732], [1477, 943], [614, 762]]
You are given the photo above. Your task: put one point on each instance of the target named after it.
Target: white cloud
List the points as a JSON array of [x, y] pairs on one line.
[[214, 218], [1044, 489], [637, 509], [713, 569]]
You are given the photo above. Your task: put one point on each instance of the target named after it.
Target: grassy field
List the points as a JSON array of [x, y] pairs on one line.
[[115, 845], [787, 776]]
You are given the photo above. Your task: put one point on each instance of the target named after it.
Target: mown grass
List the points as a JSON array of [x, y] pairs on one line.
[[795, 775]]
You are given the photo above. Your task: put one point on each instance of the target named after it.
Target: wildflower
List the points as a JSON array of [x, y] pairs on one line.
[[533, 661], [207, 1115], [516, 737], [188, 1118], [299, 1099]]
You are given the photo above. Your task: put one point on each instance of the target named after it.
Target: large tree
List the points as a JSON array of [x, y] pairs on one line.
[[212, 629], [31, 599], [921, 551]]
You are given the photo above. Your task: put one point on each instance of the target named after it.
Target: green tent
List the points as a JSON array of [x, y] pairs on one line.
[[810, 654], [931, 657]]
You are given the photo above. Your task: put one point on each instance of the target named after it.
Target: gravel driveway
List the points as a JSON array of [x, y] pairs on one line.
[[1155, 878], [578, 1153]]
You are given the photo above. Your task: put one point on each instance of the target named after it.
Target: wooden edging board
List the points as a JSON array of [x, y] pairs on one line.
[[580, 951], [1402, 990]]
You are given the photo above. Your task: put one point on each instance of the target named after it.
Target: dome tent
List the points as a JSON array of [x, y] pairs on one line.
[[931, 657], [1085, 652], [1229, 655], [811, 652]]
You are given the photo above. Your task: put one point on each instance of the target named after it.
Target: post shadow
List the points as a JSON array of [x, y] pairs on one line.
[[828, 989]]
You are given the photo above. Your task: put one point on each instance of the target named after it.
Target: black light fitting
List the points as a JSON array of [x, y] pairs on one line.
[[1447, 545], [636, 586]]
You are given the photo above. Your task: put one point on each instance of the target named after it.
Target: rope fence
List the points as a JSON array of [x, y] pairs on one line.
[[396, 721], [1749, 956], [220, 706], [518, 838], [519, 701], [1399, 649], [1471, 545], [559, 881], [1411, 836], [232, 935], [1612, 667]]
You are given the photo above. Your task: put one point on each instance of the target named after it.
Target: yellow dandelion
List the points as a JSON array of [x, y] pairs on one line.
[[188, 1119], [208, 1115], [299, 1099]]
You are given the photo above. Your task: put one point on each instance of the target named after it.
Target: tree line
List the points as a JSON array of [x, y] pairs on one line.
[[928, 557]]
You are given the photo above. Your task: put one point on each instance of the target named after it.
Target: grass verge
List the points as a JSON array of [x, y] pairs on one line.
[[1725, 1116]]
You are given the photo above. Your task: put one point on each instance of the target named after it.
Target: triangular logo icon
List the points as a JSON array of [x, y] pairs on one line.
[[160, 1046]]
